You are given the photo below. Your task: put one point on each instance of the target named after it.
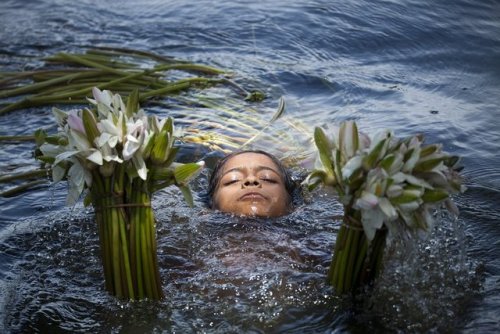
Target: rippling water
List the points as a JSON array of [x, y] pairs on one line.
[[412, 66]]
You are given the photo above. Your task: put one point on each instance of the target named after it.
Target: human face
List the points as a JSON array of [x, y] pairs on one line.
[[251, 185]]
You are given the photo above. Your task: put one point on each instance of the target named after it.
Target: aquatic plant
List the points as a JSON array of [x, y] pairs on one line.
[[223, 121], [119, 156], [388, 187]]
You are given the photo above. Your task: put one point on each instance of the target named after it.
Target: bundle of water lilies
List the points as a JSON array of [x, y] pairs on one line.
[[119, 156], [388, 187]]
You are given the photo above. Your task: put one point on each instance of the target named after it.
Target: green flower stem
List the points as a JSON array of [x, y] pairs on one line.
[[17, 138], [79, 59], [115, 237], [42, 99], [360, 259], [25, 175], [333, 273], [99, 203], [113, 51], [122, 218], [175, 87], [21, 188], [48, 83], [351, 258], [356, 262], [146, 265], [142, 248], [190, 67]]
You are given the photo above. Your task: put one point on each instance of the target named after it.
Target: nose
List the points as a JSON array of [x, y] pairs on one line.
[[251, 181]]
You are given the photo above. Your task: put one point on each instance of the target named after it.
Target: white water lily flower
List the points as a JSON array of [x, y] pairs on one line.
[[78, 140], [113, 130], [60, 116], [76, 178], [394, 190], [417, 181], [86, 152], [410, 163], [58, 173], [349, 138], [118, 105], [64, 156], [110, 154], [133, 139], [50, 150], [95, 156], [101, 96], [366, 201], [148, 136], [364, 141], [135, 128], [351, 166], [387, 208], [107, 139], [117, 139], [140, 166], [132, 145], [105, 102], [379, 136], [372, 220], [397, 164], [398, 177], [387, 188], [410, 206], [75, 122]]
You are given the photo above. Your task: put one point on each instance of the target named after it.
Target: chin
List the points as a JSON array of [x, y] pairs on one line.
[[255, 211]]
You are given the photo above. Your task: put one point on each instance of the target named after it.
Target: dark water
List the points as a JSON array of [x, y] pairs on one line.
[[412, 66]]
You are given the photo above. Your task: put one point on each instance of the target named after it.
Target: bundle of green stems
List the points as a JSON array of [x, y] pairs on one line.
[[356, 260], [127, 226], [387, 185]]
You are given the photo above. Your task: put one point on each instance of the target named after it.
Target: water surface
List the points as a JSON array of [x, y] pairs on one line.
[[412, 66]]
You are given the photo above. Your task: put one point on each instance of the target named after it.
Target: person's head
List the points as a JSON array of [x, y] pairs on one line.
[[251, 183]]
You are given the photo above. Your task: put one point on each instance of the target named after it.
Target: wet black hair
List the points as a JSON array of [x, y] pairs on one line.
[[219, 167]]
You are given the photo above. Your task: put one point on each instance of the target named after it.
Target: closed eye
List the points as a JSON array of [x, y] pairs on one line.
[[228, 183], [269, 180]]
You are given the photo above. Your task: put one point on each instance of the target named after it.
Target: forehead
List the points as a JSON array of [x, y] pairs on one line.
[[250, 160]]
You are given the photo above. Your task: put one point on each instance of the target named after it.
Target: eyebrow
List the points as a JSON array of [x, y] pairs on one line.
[[258, 169]]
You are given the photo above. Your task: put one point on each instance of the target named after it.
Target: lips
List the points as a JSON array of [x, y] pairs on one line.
[[252, 196]]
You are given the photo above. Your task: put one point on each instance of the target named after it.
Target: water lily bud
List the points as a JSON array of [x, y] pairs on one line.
[[434, 195], [162, 173], [147, 145], [348, 139], [63, 141], [54, 140], [411, 158], [428, 165], [159, 151], [429, 149], [325, 149], [132, 103], [90, 125], [405, 197], [185, 173], [371, 159]]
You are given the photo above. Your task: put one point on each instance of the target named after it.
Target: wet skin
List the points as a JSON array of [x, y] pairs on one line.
[[251, 185]]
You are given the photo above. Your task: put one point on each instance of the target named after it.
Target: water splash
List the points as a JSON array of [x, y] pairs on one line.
[[426, 285]]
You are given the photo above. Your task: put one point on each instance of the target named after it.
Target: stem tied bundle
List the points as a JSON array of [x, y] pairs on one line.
[[120, 156], [386, 185]]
